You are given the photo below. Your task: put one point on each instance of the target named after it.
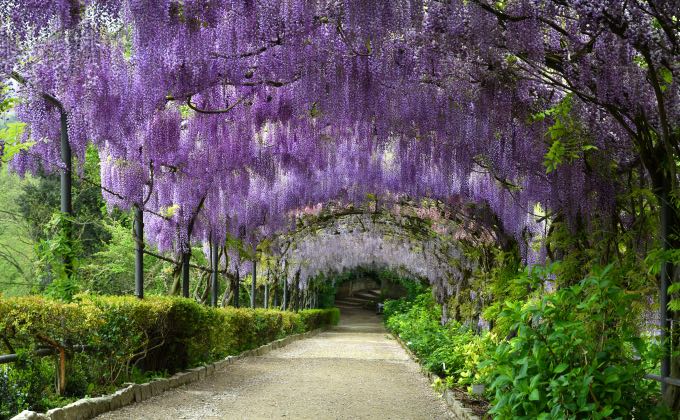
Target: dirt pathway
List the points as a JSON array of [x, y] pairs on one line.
[[354, 371]]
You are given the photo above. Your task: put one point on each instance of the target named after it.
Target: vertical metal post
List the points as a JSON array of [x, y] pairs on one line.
[[186, 258], [253, 284], [66, 185], [663, 300], [285, 294], [225, 301], [214, 253], [139, 252]]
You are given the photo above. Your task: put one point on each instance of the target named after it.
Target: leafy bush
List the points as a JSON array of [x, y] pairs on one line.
[[450, 350], [25, 383], [126, 337], [577, 353], [33, 321], [317, 318]]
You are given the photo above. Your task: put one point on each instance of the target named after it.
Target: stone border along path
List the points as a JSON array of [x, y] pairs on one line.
[[87, 408], [356, 370]]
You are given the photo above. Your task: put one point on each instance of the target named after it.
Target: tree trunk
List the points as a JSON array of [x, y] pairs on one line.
[[176, 280], [237, 289], [266, 296], [253, 285], [214, 262], [186, 259], [139, 252], [285, 293]]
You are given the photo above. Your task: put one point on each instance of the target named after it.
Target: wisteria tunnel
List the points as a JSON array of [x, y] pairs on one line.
[[486, 191]]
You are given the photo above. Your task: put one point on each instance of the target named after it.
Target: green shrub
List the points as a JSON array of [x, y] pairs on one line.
[[126, 338], [317, 318], [24, 384], [577, 354], [35, 321], [450, 350]]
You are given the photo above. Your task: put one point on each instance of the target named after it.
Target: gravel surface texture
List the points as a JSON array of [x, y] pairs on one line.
[[353, 371]]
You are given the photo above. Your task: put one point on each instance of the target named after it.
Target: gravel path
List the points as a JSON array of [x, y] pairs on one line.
[[354, 371]]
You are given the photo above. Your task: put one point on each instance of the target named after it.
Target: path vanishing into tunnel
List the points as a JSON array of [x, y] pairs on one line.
[[354, 371]]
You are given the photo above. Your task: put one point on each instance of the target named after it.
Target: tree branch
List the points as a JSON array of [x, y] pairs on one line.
[[217, 111]]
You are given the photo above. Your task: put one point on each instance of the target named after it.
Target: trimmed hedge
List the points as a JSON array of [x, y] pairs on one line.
[[126, 337]]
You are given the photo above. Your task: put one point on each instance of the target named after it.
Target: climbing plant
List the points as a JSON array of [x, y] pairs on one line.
[[501, 135]]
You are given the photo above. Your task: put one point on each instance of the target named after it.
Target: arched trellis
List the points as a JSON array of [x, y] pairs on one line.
[[406, 153], [452, 71], [429, 229], [425, 239]]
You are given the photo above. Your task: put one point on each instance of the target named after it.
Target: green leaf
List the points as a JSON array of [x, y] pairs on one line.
[[607, 411], [554, 156], [535, 395], [10, 137], [674, 305], [666, 78], [561, 368], [611, 378]]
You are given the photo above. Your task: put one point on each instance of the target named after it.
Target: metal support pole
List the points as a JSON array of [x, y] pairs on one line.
[[66, 186], [139, 252], [663, 300], [214, 253], [253, 284], [65, 173], [186, 258]]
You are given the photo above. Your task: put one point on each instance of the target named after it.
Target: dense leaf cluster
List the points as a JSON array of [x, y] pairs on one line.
[[576, 353], [126, 338]]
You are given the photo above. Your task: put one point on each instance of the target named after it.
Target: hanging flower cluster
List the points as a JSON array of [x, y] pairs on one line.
[[226, 117]]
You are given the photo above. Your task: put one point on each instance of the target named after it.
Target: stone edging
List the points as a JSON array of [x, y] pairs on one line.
[[88, 408], [454, 405]]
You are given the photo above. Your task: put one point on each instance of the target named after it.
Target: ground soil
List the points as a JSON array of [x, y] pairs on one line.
[[353, 371], [478, 406]]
